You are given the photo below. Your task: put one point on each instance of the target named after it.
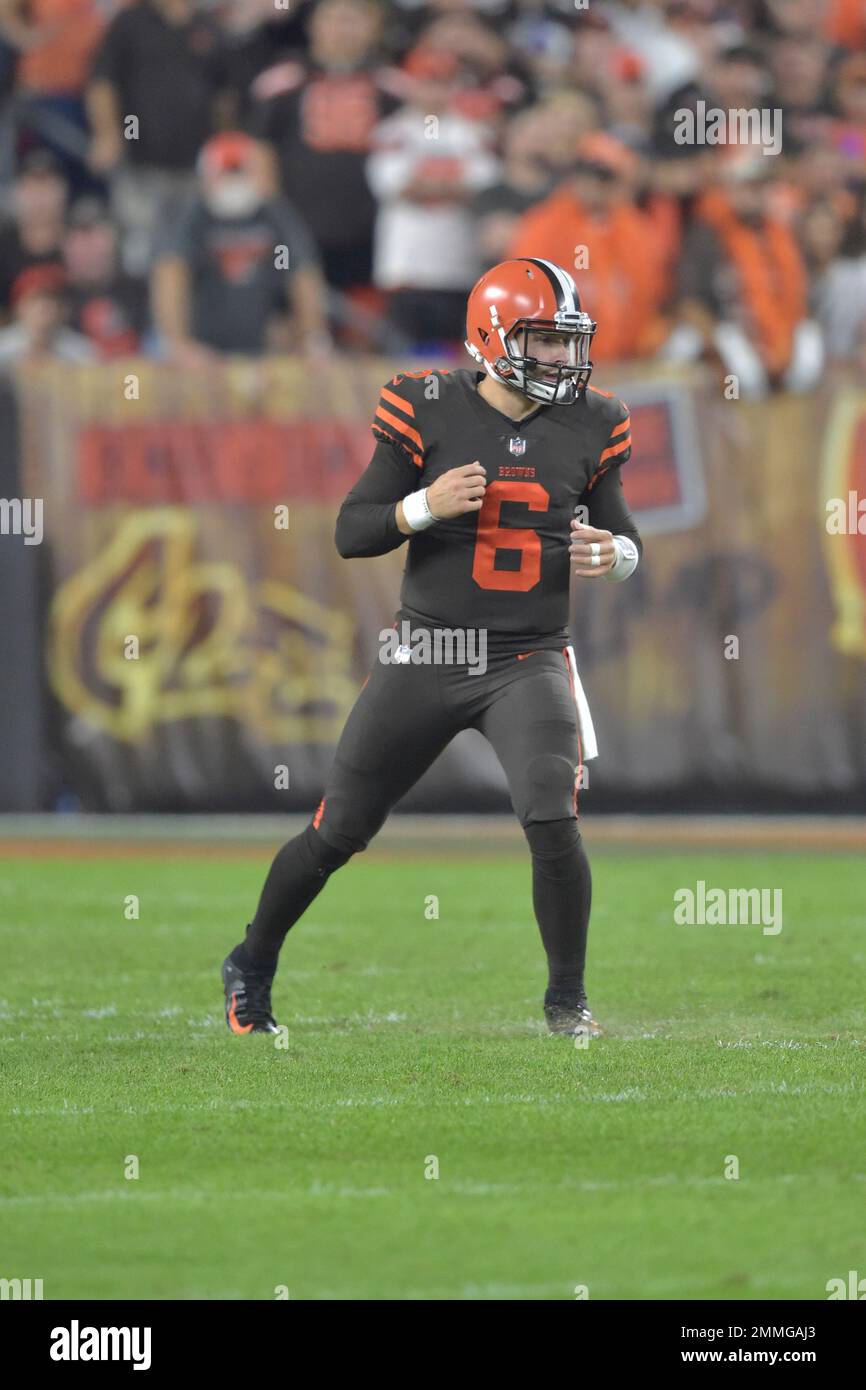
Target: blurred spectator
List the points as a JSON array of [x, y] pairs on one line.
[[39, 329], [494, 8], [526, 178], [546, 42], [836, 254], [491, 80], [743, 287], [628, 111], [235, 259], [152, 104], [801, 18], [106, 307], [670, 58], [376, 151], [320, 116], [257, 35], [54, 41], [592, 227], [413, 15], [34, 234], [821, 234], [709, 26], [817, 172], [594, 44], [800, 67], [849, 136], [736, 79], [845, 23], [427, 164], [566, 118], [841, 22]]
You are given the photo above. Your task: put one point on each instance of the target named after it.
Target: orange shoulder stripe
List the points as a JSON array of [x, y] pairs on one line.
[[616, 449], [400, 425], [381, 432], [393, 399]]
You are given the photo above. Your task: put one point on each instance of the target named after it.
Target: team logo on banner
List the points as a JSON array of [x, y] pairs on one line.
[[843, 520], [148, 632]]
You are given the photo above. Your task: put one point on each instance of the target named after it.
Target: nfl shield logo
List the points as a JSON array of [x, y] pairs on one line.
[[517, 446]]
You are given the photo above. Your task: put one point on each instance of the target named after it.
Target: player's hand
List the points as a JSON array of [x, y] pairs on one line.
[[588, 542], [457, 491]]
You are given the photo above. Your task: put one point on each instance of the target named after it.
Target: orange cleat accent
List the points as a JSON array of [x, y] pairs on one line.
[[233, 1020]]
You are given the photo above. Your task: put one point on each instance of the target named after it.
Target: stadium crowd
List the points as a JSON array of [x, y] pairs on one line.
[[245, 176]]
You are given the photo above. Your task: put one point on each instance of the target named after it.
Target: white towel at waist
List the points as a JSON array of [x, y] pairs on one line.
[[588, 744]]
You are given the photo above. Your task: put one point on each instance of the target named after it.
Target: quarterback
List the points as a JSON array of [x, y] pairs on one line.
[[505, 481]]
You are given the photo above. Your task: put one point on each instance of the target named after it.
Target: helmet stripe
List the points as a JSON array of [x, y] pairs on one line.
[[569, 290], [563, 285]]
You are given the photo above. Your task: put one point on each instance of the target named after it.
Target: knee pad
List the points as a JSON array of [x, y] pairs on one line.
[[557, 851], [553, 839], [321, 856], [550, 788]]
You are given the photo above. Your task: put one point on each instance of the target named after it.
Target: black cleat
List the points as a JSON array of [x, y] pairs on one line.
[[248, 999], [570, 1015]]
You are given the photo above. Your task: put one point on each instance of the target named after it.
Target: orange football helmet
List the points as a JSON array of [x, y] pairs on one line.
[[525, 296]]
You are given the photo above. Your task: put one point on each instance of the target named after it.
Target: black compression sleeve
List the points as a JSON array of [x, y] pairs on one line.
[[367, 523], [608, 509]]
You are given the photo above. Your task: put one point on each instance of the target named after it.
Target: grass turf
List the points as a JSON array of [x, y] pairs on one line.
[[413, 1038]]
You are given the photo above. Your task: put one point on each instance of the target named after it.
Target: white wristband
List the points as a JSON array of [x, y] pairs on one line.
[[416, 511], [626, 558]]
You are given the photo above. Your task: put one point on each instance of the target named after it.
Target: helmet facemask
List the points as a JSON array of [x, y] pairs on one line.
[[554, 383]]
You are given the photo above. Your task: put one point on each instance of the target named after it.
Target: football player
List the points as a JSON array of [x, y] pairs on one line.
[[505, 481]]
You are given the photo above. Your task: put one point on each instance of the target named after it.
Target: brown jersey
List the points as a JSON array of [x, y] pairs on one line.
[[506, 567]]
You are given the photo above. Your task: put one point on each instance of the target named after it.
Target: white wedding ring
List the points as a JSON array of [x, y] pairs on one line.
[[595, 548]]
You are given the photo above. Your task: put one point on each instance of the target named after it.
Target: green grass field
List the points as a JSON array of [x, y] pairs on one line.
[[413, 1038]]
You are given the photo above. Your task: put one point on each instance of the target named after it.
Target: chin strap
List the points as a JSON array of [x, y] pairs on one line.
[[497, 372]]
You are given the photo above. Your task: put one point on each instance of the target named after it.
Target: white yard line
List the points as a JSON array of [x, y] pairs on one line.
[[134, 1193], [287, 1105]]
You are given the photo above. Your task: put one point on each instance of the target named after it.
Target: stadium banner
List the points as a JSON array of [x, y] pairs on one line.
[[204, 642]]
